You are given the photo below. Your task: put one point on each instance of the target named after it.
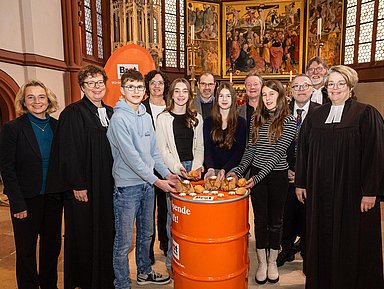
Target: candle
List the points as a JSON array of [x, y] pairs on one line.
[[290, 76], [192, 32], [319, 26], [230, 77]]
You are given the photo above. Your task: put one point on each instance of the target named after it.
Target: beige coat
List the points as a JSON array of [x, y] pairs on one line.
[[167, 146]]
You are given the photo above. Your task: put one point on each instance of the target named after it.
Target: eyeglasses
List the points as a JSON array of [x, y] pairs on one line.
[[156, 82], [335, 85], [92, 84], [250, 84], [133, 88], [313, 69], [212, 84], [298, 87]]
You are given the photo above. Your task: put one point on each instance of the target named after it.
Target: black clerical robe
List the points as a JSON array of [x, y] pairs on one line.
[[338, 164], [83, 160]]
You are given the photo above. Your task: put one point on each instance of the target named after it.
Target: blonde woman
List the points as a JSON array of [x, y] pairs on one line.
[[25, 148], [339, 176]]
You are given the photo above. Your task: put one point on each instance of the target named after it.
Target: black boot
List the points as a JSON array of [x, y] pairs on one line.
[[284, 256]]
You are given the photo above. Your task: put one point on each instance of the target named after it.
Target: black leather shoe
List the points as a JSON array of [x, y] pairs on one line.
[[284, 256]]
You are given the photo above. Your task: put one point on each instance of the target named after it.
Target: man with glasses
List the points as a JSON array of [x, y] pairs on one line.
[[316, 69], [253, 84], [294, 211], [206, 94]]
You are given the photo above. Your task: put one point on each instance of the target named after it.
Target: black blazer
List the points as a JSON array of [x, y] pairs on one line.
[[20, 161], [325, 95], [291, 157]]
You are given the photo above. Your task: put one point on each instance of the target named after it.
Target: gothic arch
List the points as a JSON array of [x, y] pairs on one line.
[[8, 90]]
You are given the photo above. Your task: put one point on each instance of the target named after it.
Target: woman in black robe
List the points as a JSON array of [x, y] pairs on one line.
[[83, 169], [339, 171]]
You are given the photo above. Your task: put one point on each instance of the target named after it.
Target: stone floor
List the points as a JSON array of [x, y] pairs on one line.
[[291, 276]]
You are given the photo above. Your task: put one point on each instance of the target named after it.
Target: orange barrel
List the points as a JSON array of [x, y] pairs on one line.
[[210, 242]]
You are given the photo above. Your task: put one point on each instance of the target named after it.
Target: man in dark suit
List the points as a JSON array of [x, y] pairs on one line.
[[294, 211], [316, 69]]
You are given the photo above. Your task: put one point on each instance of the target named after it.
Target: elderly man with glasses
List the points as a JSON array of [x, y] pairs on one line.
[[316, 69], [253, 84], [294, 211]]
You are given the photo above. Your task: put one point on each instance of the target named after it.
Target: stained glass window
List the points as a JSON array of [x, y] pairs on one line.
[[170, 41], [379, 55], [88, 27], [99, 15], [155, 37], [181, 33], [352, 3], [362, 20], [174, 33], [93, 35], [381, 9]]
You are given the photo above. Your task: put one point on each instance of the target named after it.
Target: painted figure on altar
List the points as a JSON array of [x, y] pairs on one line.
[[331, 13], [262, 37], [204, 19]]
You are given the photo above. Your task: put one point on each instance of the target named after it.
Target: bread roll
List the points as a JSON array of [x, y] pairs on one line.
[[241, 182]]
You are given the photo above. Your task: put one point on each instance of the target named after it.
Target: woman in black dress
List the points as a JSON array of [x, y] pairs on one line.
[[339, 175], [83, 169]]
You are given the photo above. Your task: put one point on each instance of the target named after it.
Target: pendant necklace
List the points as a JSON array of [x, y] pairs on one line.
[[41, 128]]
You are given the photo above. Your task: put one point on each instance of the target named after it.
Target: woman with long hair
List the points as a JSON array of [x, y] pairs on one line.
[[272, 130], [224, 133], [179, 135]]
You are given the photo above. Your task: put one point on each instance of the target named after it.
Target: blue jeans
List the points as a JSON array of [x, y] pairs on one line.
[[168, 262], [130, 203]]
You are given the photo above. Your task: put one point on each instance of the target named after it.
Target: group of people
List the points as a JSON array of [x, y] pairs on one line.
[[320, 179]]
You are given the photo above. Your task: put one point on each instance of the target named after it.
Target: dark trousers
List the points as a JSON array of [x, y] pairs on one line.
[[294, 221], [161, 203], [268, 198], [44, 216]]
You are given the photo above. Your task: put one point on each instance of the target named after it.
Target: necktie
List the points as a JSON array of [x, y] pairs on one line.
[[299, 120]]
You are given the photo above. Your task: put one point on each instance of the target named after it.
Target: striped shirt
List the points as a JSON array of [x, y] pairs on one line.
[[266, 156]]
